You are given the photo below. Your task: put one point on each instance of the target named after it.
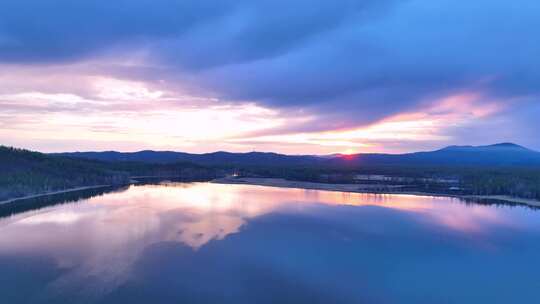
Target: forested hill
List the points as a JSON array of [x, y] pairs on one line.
[[504, 154], [505, 168], [23, 172], [219, 158]]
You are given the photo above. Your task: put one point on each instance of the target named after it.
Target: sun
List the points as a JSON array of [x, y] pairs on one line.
[[348, 152]]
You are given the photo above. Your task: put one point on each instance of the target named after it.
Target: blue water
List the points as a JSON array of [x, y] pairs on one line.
[[209, 243]]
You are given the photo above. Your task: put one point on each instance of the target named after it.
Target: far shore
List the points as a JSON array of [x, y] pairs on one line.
[[361, 188], [51, 193]]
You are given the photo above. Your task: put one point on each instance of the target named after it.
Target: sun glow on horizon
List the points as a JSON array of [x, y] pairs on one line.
[[349, 152]]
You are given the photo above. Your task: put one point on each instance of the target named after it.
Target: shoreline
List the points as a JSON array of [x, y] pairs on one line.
[[359, 188], [11, 200]]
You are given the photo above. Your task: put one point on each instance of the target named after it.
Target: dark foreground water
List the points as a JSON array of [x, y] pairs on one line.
[[208, 243]]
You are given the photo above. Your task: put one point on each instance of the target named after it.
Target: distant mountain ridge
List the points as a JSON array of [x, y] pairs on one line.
[[498, 147], [502, 154], [214, 158], [500, 169]]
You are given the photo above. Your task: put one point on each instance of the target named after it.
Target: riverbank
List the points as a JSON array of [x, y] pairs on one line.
[[364, 188], [51, 193]]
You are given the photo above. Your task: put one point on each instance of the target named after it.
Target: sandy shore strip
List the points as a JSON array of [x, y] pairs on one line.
[[283, 183], [51, 193], [362, 188]]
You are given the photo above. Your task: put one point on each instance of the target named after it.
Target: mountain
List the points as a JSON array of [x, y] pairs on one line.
[[500, 169], [503, 154], [502, 147], [215, 158]]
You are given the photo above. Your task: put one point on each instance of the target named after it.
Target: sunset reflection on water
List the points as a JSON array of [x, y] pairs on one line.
[[96, 242]]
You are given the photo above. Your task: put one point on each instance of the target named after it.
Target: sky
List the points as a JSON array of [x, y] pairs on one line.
[[288, 76]]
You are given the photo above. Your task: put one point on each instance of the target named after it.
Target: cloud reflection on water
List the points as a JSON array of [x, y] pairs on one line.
[[97, 241]]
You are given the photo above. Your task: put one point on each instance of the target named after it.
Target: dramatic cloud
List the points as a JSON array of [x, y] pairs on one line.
[[331, 73]]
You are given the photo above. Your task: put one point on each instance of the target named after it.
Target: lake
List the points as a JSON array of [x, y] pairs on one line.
[[212, 243]]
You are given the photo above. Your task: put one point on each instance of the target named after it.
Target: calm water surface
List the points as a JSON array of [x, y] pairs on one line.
[[209, 243]]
